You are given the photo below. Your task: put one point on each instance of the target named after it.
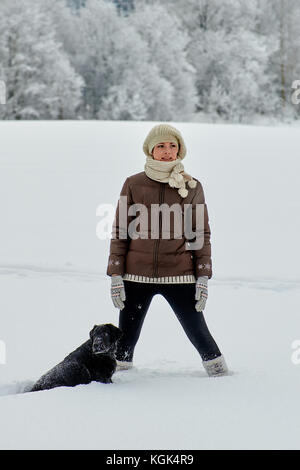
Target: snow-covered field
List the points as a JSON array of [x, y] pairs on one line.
[[53, 177]]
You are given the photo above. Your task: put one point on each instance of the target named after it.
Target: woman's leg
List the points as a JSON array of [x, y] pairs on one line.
[[181, 298], [131, 317]]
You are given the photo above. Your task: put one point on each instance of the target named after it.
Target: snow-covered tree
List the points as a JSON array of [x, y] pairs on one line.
[[280, 19], [158, 60], [289, 53], [231, 58], [122, 79], [168, 43], [124, 7], [75, 3], [40, 82]]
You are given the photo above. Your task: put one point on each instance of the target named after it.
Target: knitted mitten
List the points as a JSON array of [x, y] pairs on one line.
[[201, 293], [117, 291]]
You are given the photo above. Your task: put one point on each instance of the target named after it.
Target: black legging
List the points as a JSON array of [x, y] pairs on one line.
[[181, 298]]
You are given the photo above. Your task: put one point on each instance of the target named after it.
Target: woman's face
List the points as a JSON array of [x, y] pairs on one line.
[[165, 151]]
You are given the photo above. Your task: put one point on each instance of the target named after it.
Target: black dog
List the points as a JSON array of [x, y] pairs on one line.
[[93, 360]]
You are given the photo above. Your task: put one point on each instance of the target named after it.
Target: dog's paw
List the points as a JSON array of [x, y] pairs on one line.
[[106, 381]]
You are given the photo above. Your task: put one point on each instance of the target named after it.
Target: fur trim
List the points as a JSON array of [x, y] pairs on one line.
[[216, 367], [124, 365]]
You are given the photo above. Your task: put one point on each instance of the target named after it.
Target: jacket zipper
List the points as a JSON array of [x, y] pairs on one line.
[[155, 256]]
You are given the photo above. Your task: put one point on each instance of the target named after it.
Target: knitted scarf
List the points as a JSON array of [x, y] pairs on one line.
[[170, 172]]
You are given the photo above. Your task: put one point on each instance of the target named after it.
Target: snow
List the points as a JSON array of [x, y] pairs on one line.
[[53, 176]]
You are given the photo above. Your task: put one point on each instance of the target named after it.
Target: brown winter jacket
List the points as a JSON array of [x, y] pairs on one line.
[[159, 257]]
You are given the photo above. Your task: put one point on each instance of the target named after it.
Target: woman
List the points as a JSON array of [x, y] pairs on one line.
[[145, 265]]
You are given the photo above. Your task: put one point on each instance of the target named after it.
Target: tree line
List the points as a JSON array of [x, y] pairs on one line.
[[195, 60]]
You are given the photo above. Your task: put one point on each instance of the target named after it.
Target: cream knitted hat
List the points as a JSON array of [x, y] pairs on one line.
[[167, 172], [164, 133]]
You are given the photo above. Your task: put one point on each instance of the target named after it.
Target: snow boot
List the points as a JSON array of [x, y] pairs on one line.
[[124, 365], [216, 367]]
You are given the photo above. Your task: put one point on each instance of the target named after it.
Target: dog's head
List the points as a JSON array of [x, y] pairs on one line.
[[104, 338]]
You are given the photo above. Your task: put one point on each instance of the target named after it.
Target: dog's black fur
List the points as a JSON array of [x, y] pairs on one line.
[[93, 360]]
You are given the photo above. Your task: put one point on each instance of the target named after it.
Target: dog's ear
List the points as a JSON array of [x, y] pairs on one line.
[[115, 331], [119, 334], [92, 331]]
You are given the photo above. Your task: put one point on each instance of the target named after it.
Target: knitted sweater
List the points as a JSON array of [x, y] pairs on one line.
[[184, 279]]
